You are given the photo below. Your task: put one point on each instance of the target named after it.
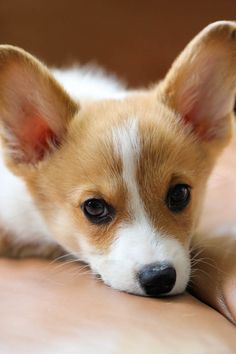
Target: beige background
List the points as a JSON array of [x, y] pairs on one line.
[[136, 39]]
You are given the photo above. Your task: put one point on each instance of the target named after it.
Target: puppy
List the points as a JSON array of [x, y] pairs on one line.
[[114, 177]]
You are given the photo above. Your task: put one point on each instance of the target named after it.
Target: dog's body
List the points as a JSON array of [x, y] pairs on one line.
[[115, 177]]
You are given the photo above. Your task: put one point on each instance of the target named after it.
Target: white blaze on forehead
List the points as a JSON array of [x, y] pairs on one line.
[[126, 142]]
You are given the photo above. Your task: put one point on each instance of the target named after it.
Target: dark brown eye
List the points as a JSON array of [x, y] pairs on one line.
[[97, 211], [178, 197]]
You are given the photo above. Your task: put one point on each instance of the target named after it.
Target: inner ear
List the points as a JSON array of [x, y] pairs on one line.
[[201, 85], [30, 142], [34, 109]]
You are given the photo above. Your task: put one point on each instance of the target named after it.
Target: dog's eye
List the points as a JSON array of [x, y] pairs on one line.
[[97, 211], [178, 197]]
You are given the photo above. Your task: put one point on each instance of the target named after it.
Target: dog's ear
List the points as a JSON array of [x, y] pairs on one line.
[[201, 84], [34, 109]]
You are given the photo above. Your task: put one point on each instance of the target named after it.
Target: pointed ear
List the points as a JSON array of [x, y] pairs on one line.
[[34, 110], [201, 84]]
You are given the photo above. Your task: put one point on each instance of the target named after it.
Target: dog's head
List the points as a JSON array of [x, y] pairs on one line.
[[120, 182]]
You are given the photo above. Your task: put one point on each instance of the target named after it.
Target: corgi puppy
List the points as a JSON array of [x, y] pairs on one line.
[[114, 177]]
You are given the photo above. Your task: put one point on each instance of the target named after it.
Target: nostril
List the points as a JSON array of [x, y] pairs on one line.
[[157, 278]]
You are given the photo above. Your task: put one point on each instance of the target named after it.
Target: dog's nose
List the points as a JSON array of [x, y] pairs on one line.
[[157, 278]]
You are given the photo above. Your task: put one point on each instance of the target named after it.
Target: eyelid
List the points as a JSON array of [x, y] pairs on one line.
[[181, 178], [175, 182]]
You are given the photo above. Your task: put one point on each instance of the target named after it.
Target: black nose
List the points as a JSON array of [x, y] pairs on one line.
[[157, 278]]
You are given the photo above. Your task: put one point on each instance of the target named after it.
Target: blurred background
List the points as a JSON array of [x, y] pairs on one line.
[[137, 40]]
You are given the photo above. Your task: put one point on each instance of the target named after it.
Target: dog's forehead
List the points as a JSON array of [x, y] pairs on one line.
[[125, 135], [141, 116], [147, 151]]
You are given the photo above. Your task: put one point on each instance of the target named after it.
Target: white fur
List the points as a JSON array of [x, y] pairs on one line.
[[90, 83], [136, 243], [127, 146], [18, 215]]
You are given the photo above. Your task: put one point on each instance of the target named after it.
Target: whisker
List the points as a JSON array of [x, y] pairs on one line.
[[193, 275], [60, 258], [65, 263]]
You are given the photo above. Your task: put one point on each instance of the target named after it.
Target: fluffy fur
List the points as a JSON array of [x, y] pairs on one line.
[[93, 139]]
